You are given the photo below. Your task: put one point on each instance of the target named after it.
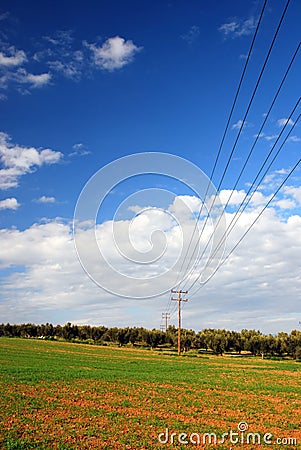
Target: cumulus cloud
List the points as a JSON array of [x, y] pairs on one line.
[[247, 291], [114, 53], [294, 191], [9, 203], [182, 202], [19, 160], [12, 71], [237, 197], [61, 55], [286, 203], [237, 27], [231, 197]]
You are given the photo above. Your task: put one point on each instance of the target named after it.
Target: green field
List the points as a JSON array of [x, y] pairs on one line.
[[57, 395]]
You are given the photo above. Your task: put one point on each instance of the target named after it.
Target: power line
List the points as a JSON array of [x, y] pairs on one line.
[[253, 223], [223, 137], [239, 211], [234, 146], [240, 131], [219, 150]]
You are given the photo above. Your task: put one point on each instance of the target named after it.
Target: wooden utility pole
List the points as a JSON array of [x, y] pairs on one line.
[[166, 316], [179, 299]]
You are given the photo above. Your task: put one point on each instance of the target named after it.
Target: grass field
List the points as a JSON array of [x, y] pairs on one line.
[[57, 395]]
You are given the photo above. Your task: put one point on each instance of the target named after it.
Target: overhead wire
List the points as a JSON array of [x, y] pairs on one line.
[[219, 149], [244, 204], [237, 137], [252, 185], [224, 135], [255, 220]]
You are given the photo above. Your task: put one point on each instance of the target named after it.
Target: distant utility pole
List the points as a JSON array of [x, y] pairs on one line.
[[179, 299], [162, 327], [166, 316]]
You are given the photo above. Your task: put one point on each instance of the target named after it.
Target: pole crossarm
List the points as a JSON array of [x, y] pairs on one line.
[[166, 316]]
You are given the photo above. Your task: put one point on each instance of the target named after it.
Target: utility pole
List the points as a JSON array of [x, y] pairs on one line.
[[179, 299], [166, 316], [162, 327]]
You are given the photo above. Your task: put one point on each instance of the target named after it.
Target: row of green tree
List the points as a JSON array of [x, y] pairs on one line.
[[214, 340]]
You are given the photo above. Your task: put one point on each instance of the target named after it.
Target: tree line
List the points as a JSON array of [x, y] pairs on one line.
[[216, 341]]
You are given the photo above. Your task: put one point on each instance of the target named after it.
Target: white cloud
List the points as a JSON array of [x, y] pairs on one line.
[[294, 191], [13, 59], [248, 291], [285, 121], [238, 27], [34, 81], [21, 78], [45, 199], [61, 55], [9, 203], [182, 202], [37, 81], [114, 54], [236, 196], [19, 160], [273, 180], [13, 73], [286, 203]]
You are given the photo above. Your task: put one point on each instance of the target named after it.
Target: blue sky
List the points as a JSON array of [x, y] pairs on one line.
[[85, 83]]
